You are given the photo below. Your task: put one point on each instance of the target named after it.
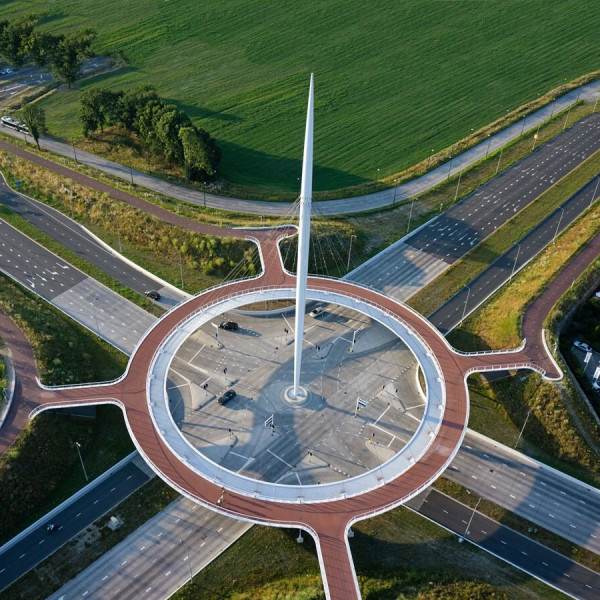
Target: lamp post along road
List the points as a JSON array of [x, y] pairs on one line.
[[303, 239], [78, 446], [349, 252]]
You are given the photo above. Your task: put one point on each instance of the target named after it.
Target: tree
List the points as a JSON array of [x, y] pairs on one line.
[[98, 107], [40, 47], [196, 157], [132, 103], [167, 124], [14, 37], [35, 119], [69, 51]]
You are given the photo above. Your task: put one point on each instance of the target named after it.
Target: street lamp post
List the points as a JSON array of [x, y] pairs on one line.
[[131, 171], [499, 159], [567, 117], [204, 192], [349, 251], [466, 302], [181, 268], [523, 127], [78, 446], [187, 551], [515, 264], [558, 224], [595, 104], [74, 151], [489, 142], [119, 236], [449, 167], [395, 190], [522, 428], [410, 215], [457, 186], [595, 190]]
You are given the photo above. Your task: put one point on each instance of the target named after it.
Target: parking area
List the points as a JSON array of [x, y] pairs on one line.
[[364, 400]]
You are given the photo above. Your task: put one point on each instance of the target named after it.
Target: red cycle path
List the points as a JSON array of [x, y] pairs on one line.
[[328, 521]]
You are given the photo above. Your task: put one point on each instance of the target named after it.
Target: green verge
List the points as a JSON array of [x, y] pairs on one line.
[[464, 270], [390, 85], [41, 468]]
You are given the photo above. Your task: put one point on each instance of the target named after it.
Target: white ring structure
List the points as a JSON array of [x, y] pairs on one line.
[[423, 437]]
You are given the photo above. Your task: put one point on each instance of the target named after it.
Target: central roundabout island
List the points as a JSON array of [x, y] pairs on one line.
[[374, 398]]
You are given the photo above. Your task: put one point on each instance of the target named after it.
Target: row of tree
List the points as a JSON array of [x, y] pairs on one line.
[[164, 129], [62, 53]]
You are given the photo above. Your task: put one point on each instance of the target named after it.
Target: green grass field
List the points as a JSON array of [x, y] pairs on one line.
[[392, 82]]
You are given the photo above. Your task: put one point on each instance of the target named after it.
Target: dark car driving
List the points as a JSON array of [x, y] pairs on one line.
[[227, 396], [152, 294], [229, 325]]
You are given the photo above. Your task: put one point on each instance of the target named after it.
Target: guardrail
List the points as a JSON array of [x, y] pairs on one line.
[[506, 367], [485, 352]]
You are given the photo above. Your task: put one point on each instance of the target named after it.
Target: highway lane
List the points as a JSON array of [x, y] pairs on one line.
[[470, 297], [92, 304], [19, 558], [531, 490], [77, 239], [414, 261], [538, 560], [159, 557]]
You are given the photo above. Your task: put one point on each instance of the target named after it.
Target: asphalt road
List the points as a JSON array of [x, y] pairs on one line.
[[18, 559], [74, 237], [479, 289], [535, 492], [92, 304], [414, 261], [157, 559], [519, 550], [345, 205]]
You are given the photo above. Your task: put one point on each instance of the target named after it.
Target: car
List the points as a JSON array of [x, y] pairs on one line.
[[597, 294], [6, 71], [317, 311], [51, 528], [582, 346], [227, 396], [229, 326], [153, 294], [596, 385]]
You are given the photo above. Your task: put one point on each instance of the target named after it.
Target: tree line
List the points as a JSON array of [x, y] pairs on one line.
[[164, 129], [62, 53]]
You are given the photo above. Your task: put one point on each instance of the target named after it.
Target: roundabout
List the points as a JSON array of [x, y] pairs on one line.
[[326, 508]]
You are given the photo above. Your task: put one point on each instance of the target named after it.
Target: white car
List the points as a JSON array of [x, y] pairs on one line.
[[6, 71], [582, 346], [595, 384], [317, 311]]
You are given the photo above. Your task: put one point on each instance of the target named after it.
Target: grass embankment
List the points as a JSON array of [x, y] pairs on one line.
[[41, 468], [154, 244], [464, 270], [92, 543], [377, 73], [397, 555]]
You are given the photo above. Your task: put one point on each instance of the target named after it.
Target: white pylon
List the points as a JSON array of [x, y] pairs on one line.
[[303, 239]]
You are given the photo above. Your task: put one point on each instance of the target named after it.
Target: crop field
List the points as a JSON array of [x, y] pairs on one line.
[[393, 80]]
